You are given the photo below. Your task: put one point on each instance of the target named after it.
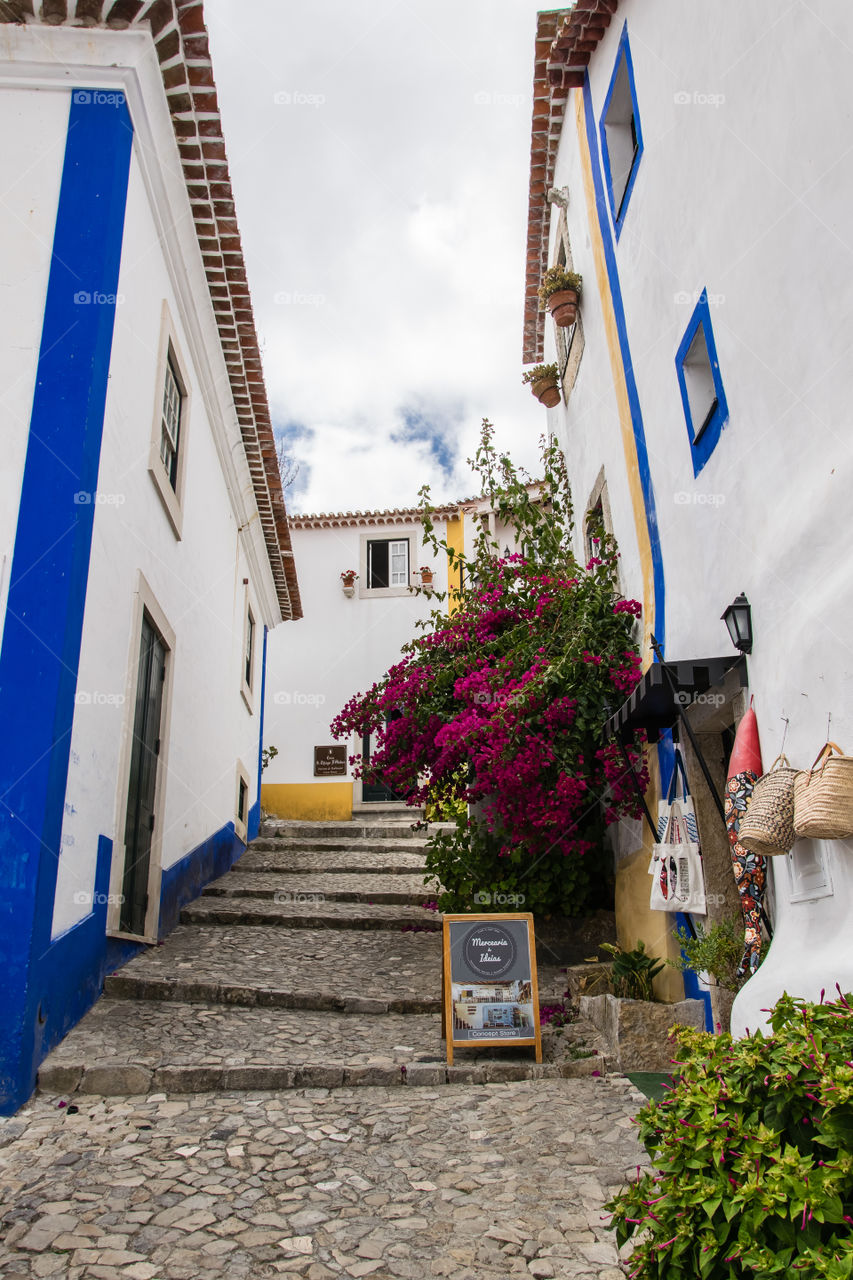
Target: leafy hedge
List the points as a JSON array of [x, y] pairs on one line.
[[753, 1152]]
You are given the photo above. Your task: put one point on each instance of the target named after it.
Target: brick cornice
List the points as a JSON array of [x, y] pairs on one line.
[[180, 38], [352, 519], [565, 42]]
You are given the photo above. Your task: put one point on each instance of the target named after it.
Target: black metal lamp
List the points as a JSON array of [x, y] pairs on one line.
[[738, 619]]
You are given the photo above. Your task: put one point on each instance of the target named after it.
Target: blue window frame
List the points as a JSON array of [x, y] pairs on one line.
[[621, 135], [702, 395]]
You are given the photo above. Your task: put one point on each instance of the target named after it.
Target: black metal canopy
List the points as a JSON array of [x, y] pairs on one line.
[[666, 691]]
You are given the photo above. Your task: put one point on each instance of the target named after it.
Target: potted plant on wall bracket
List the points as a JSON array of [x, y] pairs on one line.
[[560, 293], [426, 575], [544, 380], [348, 577]]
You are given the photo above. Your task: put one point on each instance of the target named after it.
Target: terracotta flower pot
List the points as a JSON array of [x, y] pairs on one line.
[[546, 391], [564, 307]]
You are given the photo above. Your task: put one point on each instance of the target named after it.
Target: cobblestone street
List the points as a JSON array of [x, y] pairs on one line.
[[239, 1102], [463, 1181]]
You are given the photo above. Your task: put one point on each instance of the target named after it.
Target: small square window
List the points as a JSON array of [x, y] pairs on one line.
[[241, 816], [387, 563], [702, 395], [621, 135]]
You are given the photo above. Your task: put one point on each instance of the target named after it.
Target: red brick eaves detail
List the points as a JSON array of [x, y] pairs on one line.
[[565, 42], [394, 515], [180, 37]]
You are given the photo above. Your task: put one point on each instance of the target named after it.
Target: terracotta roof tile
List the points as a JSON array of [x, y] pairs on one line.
[[565, 41]]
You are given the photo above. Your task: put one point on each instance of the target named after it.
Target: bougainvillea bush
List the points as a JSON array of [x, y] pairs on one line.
[[501, 703], [752, 1152]]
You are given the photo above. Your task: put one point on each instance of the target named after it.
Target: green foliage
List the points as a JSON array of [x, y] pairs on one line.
[[753, 1152], [556, 279], [467, 862], [267, 754], [540, 372], [501, 703], [633, 971], [717, 951]]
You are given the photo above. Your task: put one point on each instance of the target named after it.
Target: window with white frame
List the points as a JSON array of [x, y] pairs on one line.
[[170, 423], [241, 814], [387, 563], [247, 664], [167, 458]]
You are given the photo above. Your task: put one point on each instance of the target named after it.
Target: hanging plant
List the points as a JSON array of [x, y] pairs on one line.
[[560, 293], [544, 382]]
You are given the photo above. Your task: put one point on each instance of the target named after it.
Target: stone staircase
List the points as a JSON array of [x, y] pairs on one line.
[[312, 962]]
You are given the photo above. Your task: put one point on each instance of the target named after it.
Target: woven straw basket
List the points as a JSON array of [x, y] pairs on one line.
[[767, 827], [823, 797]]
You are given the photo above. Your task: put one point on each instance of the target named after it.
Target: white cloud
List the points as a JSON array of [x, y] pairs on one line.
[[382, 202]]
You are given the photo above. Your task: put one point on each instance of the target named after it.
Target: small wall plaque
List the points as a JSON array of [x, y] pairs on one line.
[[330, 762]]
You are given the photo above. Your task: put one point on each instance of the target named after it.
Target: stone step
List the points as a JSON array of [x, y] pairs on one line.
[[373, 972], [210, 909], [308, 844], [124, 1047], [273, 857], [310, 890], [356, 829]]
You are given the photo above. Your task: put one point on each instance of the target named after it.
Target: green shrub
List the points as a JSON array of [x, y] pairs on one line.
[[633, 971], [717, 952], [753, 1151]]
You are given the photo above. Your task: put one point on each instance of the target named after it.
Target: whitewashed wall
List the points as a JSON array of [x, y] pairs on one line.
[[341, 646], [741, 190], [197, 582], [32, 145]]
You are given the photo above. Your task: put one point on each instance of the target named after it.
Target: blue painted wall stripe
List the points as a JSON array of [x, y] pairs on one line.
[[47, 587], [659, 623], [254, 823]]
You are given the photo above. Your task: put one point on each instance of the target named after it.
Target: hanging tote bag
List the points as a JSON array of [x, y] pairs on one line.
[[767, 827], [823, 797], [685, 803], [678, 879]]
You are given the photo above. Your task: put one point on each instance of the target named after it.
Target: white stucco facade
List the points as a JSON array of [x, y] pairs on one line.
[[739, 191], [109, 538], [344, 644]]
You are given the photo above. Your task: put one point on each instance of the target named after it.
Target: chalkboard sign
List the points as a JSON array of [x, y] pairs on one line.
[[330, 762], [490, 992]]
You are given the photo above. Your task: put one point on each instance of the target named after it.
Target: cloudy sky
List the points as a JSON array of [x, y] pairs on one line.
[[379, 156]]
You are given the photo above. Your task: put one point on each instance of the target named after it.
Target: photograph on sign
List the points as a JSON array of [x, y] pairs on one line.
[[490, 990]]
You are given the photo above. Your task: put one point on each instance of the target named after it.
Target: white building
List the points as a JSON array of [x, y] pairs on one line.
[[676, 165], [351, 635], [144, 544]]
